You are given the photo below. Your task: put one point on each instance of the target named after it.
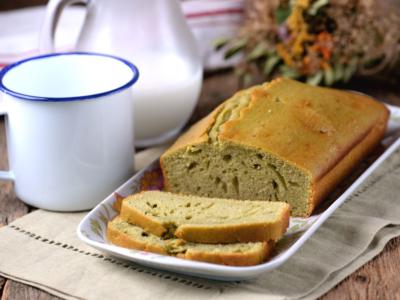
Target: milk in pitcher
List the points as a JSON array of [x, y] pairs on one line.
[[168, 88]]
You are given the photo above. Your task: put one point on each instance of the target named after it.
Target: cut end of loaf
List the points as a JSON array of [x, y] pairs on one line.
[[237, 172]]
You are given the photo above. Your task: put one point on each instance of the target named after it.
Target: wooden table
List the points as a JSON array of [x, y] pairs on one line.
[[379, 279]]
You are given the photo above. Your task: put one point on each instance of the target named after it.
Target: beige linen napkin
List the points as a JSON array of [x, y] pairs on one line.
[[41, 249]]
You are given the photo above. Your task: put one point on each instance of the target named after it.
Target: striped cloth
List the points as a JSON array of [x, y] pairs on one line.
[[209, 20]]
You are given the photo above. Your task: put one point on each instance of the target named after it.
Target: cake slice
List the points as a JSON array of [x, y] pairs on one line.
[[206, 220], [123, 234], [280, 141]]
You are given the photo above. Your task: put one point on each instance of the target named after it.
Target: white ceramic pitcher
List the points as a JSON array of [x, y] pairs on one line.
[[154, 35]]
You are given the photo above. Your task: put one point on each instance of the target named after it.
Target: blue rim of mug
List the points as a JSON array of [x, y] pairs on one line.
[[6, 90]]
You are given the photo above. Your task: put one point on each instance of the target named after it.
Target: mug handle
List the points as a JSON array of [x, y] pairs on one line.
[[53, 13], [5, 175]]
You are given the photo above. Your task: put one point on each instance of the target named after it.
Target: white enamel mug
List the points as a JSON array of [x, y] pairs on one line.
[[69, 127]]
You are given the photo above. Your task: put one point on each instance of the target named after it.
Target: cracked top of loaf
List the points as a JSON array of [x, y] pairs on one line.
[[311, 127]]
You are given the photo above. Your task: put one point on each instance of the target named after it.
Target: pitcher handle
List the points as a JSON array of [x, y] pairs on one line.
[[5, 175], [53, 12]]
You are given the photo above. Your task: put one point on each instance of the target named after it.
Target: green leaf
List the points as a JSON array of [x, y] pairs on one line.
[[316, 78], [329, 76], [239, 71], [235, 48], [219, 43], [350, 69], [270, 63], [258, 51], [247, 79], [339, 71], [282, 13], [374, 62], [289, 72], [316, 6]]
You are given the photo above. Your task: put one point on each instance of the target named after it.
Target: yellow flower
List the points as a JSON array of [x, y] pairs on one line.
[[299, 30], [282, 52], [303, 3]]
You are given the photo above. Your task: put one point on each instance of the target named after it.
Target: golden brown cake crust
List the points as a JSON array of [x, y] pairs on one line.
[[361, 150], [231, 259]]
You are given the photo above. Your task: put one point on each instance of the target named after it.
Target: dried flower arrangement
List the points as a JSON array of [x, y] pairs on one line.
[[318, 41]]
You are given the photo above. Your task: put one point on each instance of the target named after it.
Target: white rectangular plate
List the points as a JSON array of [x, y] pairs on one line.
[[92, 228]]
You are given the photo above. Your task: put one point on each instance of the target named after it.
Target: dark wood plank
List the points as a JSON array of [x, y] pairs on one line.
[[15, 4], [378, 279], [19, 291], [2, 283], [387, 91], [11, 207]]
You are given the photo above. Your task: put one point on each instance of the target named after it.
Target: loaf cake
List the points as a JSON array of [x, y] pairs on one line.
[[280, 141], [206, 220], [123, 234]]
